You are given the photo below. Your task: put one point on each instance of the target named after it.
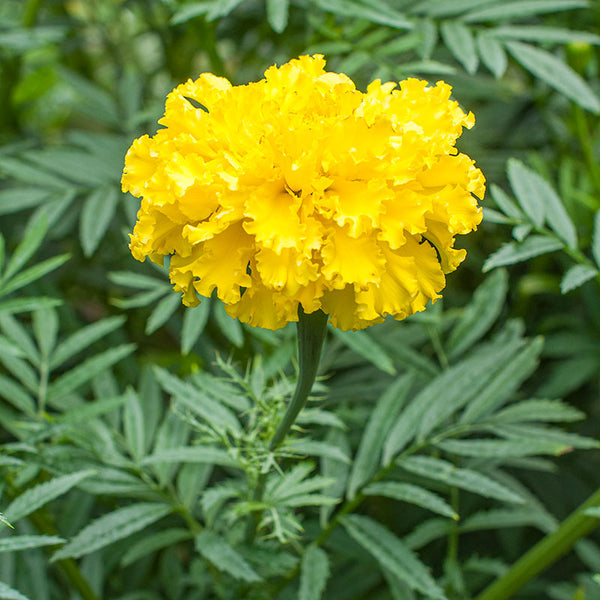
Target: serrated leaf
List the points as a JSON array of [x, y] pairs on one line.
[[32, 238], [153, 543], [314, 572], [376, 12], [499, 449], [466, 479], [81, 374], [505, 517], [505, 204], [277, 14], [16, 199], [364, 345], [15, 543], [576, 276], [191, 454], [8, 593], [556, 74], [194, 321], [218, 552], [459, 40], [391, 554], [596, 239], [551, 435], [83, 338], [12, 392], [112, 527], [529, 189], [20, 338], [189, 11], [441, 8], [36, 497], [162, 312], [480, 314], [97, 213], [520, 9], [198, 401], [515, 252], [492, 54], [413, 494], [378, 427], [137, 280], [133, 425]]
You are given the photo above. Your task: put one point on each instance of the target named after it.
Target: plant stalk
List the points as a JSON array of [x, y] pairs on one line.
[[544, 553], [312, 329]]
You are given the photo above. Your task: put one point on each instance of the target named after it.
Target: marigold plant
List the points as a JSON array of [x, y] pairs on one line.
[[300, 190]]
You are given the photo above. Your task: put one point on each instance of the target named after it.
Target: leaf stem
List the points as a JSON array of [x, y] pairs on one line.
[[545, 552]]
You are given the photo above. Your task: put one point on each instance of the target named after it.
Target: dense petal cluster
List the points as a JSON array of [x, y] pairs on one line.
[[301, 190]]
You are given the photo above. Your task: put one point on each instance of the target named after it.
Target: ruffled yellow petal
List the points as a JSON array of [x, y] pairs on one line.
[[300, 190]]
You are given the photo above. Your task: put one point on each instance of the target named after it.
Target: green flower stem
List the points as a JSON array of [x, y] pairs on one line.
[[311, 335], [544, 553]]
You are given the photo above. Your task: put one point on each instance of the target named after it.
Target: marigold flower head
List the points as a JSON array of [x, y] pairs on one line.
[[299, 189]]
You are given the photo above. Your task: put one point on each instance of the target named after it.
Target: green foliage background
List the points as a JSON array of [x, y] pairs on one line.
[[435, 452]]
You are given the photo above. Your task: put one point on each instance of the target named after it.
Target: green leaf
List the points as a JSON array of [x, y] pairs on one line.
[[376, 12], [188, 12], [521, 9], [11, 391], [112, 527], [97, 213], [459, 40], [20, 305], [364, 345], [504, 382], [153, 543], [441, 8], [538, 410], [231, 328], [316, 448], [480, 314], [576, 276], [33, 273], [413, 494], [499, 449], [32, 238], [134, 426], [83, 338], [529, 188], [198, 401], [218, 552], [277, 14], [378, 427], [82, 373], [16, 199], [391, 554], [596, 239], [20, 338], [191, 454], [314, 572], [36, 497], [466, 479], [556, 74], [505, 204], [194, 321], [543, 34], [8, 593], [506, 517], [514, 252], [492, 54], [45, 327], [162, 312], [137, 280], [15, 543]]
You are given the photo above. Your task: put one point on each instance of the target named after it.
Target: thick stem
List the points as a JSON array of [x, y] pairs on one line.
[[311, 335], [544, 553]]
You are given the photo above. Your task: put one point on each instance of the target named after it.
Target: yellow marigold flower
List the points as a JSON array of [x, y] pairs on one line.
[[301, 190]]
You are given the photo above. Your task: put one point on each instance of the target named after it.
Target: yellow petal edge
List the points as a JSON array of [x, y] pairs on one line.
[[299, 189]]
